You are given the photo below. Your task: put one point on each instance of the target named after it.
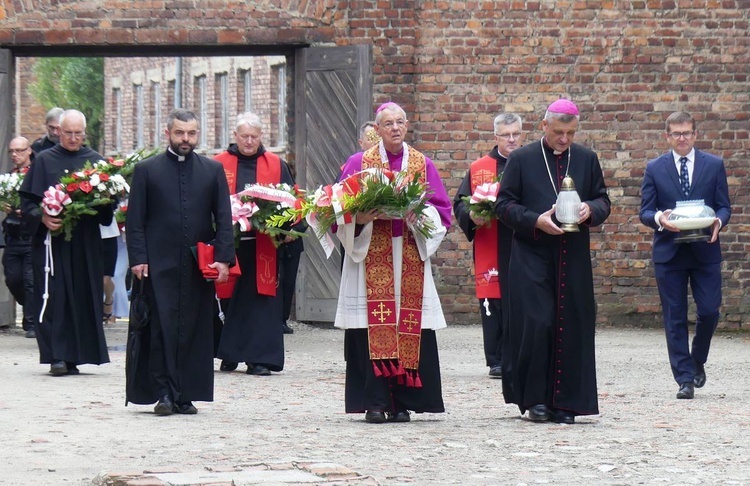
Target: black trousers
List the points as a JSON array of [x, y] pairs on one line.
[[492, 331], [289, 266], [19, 276]]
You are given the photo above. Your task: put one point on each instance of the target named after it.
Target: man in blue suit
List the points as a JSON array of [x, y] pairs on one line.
[[683, 174]]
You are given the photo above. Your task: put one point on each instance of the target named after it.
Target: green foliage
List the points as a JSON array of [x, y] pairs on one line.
[[73, 83]]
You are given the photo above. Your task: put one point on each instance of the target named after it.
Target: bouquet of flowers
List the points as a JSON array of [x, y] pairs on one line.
[[126, 165], [9, 185], [390, 194], [482, 202], [254, 207], [121, 214], [78, 193]]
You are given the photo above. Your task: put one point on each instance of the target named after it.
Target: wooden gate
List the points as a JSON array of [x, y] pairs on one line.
[[7, 304], [333, 97]]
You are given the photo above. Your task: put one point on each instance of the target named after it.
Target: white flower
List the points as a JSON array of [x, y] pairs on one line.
[[101, 187], [94, 180]]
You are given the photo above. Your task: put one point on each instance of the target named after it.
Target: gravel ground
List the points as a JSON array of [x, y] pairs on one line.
[[66, 430]]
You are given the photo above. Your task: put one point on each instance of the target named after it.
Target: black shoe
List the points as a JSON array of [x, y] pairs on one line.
[[185, 408], [402, 416], [164, 406], [562, 417], [496, 372], [58, 368], [73, 369], [687, 391], [227, 365], [31, 334], [258, 370], [287, 329], [539, 413], [375, 417], [700, 375]]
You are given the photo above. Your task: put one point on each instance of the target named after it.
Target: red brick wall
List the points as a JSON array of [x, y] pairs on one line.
[[455, 65], [29, 113], [124, 73]]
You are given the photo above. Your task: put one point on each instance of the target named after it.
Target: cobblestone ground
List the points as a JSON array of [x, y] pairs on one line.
[[76, 430]]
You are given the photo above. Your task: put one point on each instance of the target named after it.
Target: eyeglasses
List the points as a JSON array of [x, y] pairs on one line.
[[74, 134], [508, 136], [678, 135], [399, 123], [17, 151]]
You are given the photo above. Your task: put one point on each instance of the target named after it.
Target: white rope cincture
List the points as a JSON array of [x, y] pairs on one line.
[[221, 312], [49, 269], [486, 305]]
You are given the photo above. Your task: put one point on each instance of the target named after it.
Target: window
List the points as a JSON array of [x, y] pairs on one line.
[[278, 105], [117, 108], [156, 114], [201, 109], [170, 94], [247, 90], [221, 110], [139, 114]]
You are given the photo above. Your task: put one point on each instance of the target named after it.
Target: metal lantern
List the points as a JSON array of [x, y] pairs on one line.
[[568, 206]]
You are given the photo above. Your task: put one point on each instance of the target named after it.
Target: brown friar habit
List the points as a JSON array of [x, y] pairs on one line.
[[550, 301], [173, 205]]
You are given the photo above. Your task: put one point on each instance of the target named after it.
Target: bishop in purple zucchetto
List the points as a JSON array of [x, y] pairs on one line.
[[563, 106]]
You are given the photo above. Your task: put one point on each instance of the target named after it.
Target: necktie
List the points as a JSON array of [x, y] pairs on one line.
[[684, 178]]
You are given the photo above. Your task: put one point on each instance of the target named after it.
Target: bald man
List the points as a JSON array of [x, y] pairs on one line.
[[19, 276]]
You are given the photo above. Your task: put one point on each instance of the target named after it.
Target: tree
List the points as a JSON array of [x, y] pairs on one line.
[[73, 82]]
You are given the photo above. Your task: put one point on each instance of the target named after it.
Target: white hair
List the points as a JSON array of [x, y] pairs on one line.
[[250, 119]]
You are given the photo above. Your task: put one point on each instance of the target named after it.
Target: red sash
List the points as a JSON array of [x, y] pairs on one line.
[[268, 171], [394, 342], [486, 270]]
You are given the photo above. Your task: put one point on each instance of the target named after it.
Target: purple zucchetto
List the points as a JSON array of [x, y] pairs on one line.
[[387, 105], [563, 106]]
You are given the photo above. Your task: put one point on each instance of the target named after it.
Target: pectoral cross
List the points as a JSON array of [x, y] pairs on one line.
[[411, 322], [381, 312]]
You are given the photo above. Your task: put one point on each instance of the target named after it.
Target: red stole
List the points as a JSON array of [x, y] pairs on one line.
[[394, 343], [268, 171], [486, 270]]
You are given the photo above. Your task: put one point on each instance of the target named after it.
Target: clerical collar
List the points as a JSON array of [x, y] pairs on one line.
[[180, 158], [555, 152]]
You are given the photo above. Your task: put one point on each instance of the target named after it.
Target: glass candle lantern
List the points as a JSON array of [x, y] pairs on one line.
[[568, 206]]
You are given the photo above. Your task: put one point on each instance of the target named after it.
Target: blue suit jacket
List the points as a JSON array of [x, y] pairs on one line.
[[661, 190]]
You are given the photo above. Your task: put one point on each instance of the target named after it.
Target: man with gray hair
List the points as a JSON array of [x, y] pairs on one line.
[[69, 332], [52, 137], [492, 240], [548, 366], [253, 331]]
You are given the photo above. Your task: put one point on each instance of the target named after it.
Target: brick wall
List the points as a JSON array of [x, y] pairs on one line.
[[455, 65], [159, 73], [29, 113]]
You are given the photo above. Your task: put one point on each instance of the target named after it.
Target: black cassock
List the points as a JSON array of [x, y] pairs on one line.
[[252, 331], [173, 205], [71, 329], [549, 345]]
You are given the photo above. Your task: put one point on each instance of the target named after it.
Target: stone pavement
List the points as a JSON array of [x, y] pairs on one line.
[[290, 428]]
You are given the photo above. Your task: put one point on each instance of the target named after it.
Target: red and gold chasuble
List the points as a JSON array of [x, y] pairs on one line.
[[394, 341], [486, 271], [268, 171]]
